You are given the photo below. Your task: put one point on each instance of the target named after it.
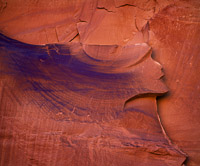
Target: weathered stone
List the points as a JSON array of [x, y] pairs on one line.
[[108, 31]]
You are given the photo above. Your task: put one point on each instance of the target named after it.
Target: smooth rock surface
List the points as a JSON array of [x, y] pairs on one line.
[[178, 52]]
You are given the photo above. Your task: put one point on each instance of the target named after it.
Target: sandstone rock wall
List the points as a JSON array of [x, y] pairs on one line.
[[170, 27]]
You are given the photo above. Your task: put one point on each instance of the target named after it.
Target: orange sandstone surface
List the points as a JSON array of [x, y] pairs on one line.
[[79, 82]]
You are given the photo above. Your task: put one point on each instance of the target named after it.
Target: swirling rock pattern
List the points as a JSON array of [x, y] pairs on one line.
[[170, 27], [69, 105]]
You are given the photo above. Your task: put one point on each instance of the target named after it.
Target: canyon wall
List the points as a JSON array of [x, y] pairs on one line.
[[102, 30]]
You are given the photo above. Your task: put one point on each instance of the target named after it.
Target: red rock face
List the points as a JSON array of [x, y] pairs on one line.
[[109, 105], [178, 51], [92, 99]]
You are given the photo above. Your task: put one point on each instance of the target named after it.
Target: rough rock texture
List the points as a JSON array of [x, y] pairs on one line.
[[170, 27]]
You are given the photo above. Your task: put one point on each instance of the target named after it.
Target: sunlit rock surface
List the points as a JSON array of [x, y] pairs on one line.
[[36, 118]]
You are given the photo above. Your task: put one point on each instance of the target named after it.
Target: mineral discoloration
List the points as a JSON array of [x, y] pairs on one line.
[[34, 111], [89, 111]]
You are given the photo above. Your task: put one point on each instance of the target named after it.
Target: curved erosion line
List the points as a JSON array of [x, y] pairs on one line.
[[160, 122], [143, 58], [167, 137], [142, 95]]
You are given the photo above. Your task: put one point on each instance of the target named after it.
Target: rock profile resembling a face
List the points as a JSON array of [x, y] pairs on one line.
[[92, 83], [90, 97], [126, 72]]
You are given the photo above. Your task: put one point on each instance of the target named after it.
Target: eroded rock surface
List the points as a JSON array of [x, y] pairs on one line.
[[61, 104], [170, 27]]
